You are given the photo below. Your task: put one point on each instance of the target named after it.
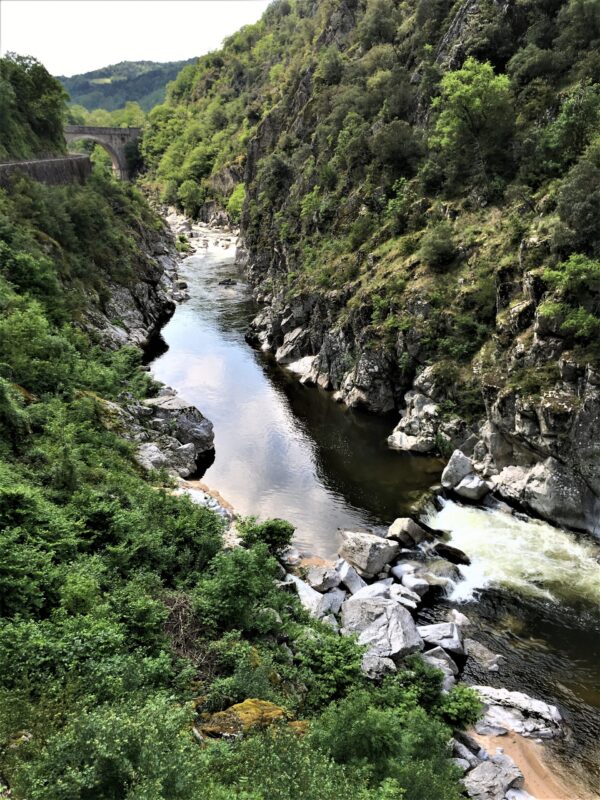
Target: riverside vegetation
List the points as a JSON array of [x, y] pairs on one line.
[[124, 623], [417, 187]]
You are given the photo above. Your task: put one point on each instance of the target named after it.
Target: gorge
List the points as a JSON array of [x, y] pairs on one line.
[[300, 427]]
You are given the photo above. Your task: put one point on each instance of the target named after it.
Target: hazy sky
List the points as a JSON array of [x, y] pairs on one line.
[[72, 36]]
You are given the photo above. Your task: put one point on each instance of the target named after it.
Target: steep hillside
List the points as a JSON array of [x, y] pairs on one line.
[[419, 184], [112, 87]]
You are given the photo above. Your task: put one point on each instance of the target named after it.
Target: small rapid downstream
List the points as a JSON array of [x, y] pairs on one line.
[[282, 449]]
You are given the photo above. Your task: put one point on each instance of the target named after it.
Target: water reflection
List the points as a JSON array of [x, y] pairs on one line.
[[281, 449]]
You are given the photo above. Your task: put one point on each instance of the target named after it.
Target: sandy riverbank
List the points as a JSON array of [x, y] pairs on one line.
[[544, 780]]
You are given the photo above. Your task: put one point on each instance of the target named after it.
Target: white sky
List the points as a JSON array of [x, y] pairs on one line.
[[73, 36]]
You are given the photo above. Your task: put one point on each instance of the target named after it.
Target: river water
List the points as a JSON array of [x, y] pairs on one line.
[[532, 591]]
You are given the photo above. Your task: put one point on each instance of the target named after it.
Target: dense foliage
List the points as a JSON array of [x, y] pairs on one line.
[[110, 88], [123, 622], [414, 160], [32, 108]]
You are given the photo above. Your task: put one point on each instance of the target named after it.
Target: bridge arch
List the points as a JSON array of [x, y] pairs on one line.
[[113, 140]]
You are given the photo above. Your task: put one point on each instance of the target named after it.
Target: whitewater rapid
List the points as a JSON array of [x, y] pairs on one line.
[[528, 556]]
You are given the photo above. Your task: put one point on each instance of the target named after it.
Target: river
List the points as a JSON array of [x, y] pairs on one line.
[[286, 450]]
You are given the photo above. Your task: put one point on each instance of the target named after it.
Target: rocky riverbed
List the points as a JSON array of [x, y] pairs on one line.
[[373, 592]]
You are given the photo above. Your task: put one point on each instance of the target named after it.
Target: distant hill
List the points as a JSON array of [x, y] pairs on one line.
[[113, 86]]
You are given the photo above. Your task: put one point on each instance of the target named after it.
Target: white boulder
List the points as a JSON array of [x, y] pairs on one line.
[[367, 553]]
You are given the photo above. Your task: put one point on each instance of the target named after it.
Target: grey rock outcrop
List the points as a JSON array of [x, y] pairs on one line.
[[376, 666], [458, 467], [516, 711], [349, 576], [417, 430], [446, 635], [384, 625], [408, 532], [483, 655], [440, 659], [459, 476], [315, 603], [323, 578], [183, 420], [543, 454], [491, 779], [367, 553]]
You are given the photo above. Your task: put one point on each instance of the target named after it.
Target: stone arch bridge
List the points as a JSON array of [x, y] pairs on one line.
[[113, 140]]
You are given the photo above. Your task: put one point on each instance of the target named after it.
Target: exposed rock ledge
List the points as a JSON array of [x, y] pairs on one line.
[[541, 455], [170, 432], [133, 311], [370, 592]]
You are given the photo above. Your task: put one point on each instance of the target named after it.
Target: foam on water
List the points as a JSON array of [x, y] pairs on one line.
[[530, 557]]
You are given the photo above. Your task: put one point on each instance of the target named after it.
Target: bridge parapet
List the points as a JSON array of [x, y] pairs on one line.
[[57, 170], [113, 140]]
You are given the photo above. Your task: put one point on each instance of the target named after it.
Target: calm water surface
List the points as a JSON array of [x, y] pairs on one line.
[[282, 449]]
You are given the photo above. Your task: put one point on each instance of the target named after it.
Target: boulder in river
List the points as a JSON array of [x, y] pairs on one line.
[[170, 454], [377, 589], [383, 624], [406, 597], [183, 421], [415, 583], [452, 554], [349, 576], [332, 601], [457, 468], [314, 602], [458, 618], [367, 553], [290, 556], [408, 532], [491, 779], [459, 476], [483, 655], [516, 711], [323, 578], [443, 634], [472, 488]]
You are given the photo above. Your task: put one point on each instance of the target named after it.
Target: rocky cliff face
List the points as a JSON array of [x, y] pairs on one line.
[[469, 356], [169, 432], [130, 312], [418, 178], [540, 452]]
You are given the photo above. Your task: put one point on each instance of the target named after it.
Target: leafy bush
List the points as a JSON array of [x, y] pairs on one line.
[[235, 204], [437, 246], [141, 750], [276, 534], [579, 202], [32, 109], [475, 121], [329, 665], [238, 583], [403, 744], [281, 765]]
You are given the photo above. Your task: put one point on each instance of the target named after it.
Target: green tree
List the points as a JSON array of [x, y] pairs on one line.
[[475, 123]]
